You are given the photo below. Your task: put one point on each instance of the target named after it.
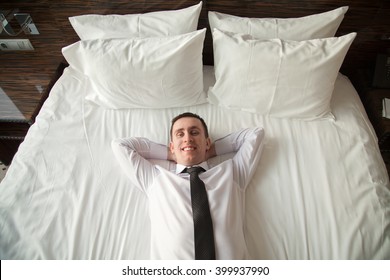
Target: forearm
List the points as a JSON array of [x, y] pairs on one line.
[[248, 144], [133, 156], [234, 141], [144, 147]]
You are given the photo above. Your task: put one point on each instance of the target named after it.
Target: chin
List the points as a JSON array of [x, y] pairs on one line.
[[190, 160]]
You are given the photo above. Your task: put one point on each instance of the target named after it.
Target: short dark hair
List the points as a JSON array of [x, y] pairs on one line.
[[190, 115]]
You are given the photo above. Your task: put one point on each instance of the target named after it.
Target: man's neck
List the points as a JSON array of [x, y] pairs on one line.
[[181, 167]]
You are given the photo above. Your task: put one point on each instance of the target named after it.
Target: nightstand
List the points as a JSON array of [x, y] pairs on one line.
[[374, 105], [12, 132], [373, 102], [15, 120]]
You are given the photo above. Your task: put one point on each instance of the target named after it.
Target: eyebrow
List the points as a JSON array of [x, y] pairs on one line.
[[190, 128]]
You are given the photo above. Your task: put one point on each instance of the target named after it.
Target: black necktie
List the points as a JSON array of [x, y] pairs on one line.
[[203, 225]]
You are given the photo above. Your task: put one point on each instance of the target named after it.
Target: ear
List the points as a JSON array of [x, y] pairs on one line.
[[208, 144], [171, 147]]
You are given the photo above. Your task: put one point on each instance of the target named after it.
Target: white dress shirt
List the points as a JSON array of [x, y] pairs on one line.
[[172, 229]]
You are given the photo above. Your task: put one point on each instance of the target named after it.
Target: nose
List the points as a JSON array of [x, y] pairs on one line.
[[188, 137]]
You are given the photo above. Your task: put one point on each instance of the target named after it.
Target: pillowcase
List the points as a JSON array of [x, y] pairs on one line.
[[154, 24], [316, 26], [158, 72], [287, 79]]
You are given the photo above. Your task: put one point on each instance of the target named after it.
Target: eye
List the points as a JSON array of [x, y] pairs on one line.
[[195, 132], [180, 134]]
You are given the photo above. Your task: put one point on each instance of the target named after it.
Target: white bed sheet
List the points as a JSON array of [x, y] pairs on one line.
[[321, 190]]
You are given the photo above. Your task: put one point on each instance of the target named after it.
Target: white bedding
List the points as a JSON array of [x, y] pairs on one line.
[[321, 190]]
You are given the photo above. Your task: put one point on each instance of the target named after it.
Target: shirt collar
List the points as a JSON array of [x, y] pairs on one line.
[[180, 167]]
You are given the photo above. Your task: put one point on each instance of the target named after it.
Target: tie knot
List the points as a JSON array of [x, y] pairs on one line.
[[194, 170]]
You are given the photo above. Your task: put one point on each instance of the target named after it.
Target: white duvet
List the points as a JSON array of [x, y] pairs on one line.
[[321, 190]]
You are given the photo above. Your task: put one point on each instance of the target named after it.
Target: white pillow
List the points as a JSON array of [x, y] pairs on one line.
[[316, 26], [288, 79], [154, 24], [159, 72]]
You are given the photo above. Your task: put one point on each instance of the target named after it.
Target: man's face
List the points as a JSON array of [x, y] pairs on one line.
[[189, 143]]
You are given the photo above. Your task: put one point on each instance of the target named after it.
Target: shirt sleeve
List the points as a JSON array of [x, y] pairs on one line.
[[133, 154], [248, 145]]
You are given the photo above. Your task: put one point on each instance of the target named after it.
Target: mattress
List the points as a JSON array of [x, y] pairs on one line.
[[321, 190]]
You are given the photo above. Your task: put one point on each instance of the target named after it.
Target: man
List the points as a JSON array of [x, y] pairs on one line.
[[169, 194]]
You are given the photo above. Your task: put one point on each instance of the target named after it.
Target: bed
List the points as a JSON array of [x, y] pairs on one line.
[[321, 189]]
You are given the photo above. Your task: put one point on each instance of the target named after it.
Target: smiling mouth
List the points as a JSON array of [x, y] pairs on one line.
[[188, 149]]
